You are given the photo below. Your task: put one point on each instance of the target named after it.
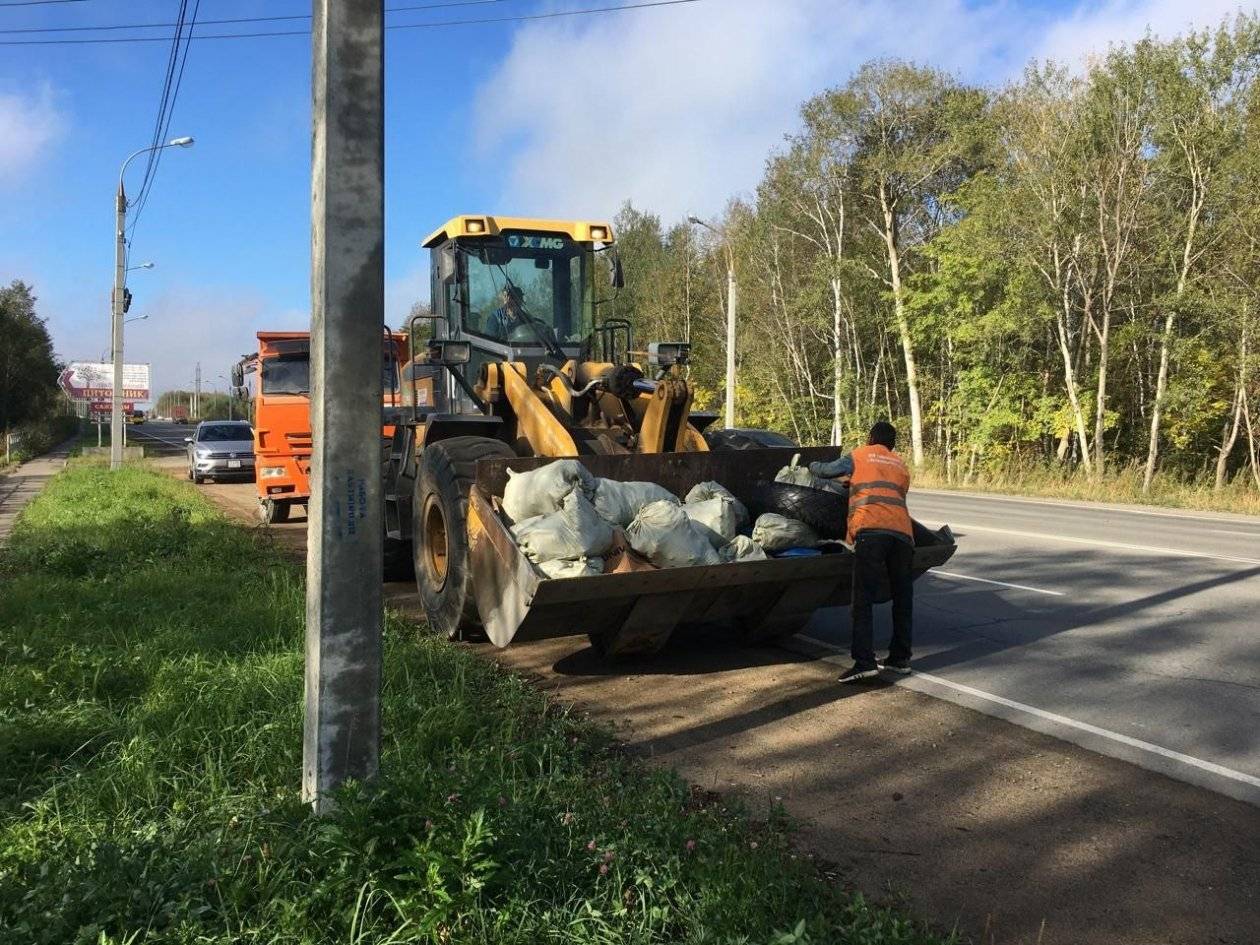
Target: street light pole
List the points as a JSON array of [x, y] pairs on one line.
[[228, 382], [119, 299], [731, 299]]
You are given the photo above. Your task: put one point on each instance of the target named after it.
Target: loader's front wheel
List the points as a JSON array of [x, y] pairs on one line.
[[440, 530]]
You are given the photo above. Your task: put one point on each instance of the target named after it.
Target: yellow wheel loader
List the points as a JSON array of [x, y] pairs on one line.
[[517, 365]]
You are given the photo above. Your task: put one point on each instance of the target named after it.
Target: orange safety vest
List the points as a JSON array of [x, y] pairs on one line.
[[877, 492]]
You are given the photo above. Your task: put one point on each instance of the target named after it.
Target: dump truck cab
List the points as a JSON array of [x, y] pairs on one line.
[[282, 414]]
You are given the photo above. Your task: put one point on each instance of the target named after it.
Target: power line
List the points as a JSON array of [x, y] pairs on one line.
[[242, 19], [170, 113], [396, 26], [36, 3], [163, 100]]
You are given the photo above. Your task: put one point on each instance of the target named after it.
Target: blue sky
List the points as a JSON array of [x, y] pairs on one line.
[[674, 108]]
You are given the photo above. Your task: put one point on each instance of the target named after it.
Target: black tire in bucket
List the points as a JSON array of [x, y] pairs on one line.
[[824, 511]]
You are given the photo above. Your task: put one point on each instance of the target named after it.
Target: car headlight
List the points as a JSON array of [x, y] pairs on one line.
[[202, 454], [272, 472]]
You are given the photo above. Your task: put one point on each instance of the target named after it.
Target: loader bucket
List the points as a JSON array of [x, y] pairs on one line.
[[635, 613]]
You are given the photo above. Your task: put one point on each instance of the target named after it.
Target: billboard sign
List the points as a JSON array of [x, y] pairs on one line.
[[92, 380]]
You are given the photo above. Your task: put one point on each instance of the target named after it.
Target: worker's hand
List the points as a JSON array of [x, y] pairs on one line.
[[819, 470]]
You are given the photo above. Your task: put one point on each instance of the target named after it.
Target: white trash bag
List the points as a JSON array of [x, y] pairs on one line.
[[703, 491], [742, 548], [581, 567], [778, 533], [716, 518], [797, 475], [663, 534], [619, 502], [574, 531], [539, 491]]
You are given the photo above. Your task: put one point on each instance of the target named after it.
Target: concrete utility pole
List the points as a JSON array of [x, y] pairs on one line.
[[731, 298], [118, 299], [120, 287], [197, 395], [341, 731]]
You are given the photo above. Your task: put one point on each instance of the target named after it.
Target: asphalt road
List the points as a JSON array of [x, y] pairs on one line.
[[160, 439], [1132, 632]]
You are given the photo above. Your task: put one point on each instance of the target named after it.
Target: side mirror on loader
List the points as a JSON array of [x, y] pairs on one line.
[[238, 375], [449, 353], [616, 275]]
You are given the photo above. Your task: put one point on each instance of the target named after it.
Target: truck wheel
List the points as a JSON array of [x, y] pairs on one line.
[[271, 512], [746, 439], [439, 530]]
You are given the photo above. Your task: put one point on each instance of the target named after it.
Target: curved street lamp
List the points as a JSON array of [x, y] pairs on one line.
[[116, 430]]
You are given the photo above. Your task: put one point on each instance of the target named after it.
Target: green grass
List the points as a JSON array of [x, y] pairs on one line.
[[1123, 485], [150, 731]]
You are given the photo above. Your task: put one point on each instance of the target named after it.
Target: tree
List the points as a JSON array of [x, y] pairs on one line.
[[28, 370], [916, 144]]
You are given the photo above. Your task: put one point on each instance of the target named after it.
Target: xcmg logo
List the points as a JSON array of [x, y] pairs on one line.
[[536, 242]]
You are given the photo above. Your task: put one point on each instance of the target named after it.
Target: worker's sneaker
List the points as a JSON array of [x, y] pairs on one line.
[[899, 666], [856, 672]]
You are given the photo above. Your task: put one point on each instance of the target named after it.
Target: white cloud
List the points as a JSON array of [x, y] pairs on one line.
[[29, 125], [212, 325], [677, 108], [1091, 28], [403, 291]]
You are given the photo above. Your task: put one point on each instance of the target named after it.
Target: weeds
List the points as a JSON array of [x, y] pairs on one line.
[[1116, 485], [150, 733]]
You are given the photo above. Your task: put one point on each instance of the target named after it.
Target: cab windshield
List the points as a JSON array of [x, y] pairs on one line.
[[518, 285]]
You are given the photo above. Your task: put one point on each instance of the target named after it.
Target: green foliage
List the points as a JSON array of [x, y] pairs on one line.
[[28, 371], [150, 700], [1030, 255]]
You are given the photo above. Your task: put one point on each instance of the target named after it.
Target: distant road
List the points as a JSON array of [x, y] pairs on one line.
[[160, 439], [1132, 632]]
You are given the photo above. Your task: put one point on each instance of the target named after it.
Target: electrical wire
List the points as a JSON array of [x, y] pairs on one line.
[[395, 26], [35, 3], [233, 20], [163, 100], [170, 112]]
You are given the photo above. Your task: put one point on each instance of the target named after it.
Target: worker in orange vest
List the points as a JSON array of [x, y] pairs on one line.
[[883, 547]]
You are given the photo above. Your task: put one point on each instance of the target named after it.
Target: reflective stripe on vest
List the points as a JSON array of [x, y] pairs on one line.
[[877, 492]]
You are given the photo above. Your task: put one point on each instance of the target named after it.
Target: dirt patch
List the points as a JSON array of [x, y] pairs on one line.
[[969, 821]]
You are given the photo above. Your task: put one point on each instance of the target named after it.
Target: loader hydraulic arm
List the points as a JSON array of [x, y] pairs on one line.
[[664, 426]]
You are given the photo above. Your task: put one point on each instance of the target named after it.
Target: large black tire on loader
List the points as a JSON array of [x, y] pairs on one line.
[[439, 530], [746, 439]]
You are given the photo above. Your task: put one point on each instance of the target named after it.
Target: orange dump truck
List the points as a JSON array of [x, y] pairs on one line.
[[282, 414]]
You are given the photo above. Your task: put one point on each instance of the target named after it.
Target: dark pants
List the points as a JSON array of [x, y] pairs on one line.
[[878, 557]]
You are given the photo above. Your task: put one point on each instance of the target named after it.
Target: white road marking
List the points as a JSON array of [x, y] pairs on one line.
[[1209, 766], [1192, 515], [1124, 546], [1018, 587]]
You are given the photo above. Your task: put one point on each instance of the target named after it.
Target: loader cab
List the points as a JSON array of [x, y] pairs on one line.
[[516, 289]]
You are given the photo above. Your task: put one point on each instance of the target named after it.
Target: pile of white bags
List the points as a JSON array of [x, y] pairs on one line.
[[542, 490], [571, 533], [567, 520], [779, 533], [663, 534], [619, 502]]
